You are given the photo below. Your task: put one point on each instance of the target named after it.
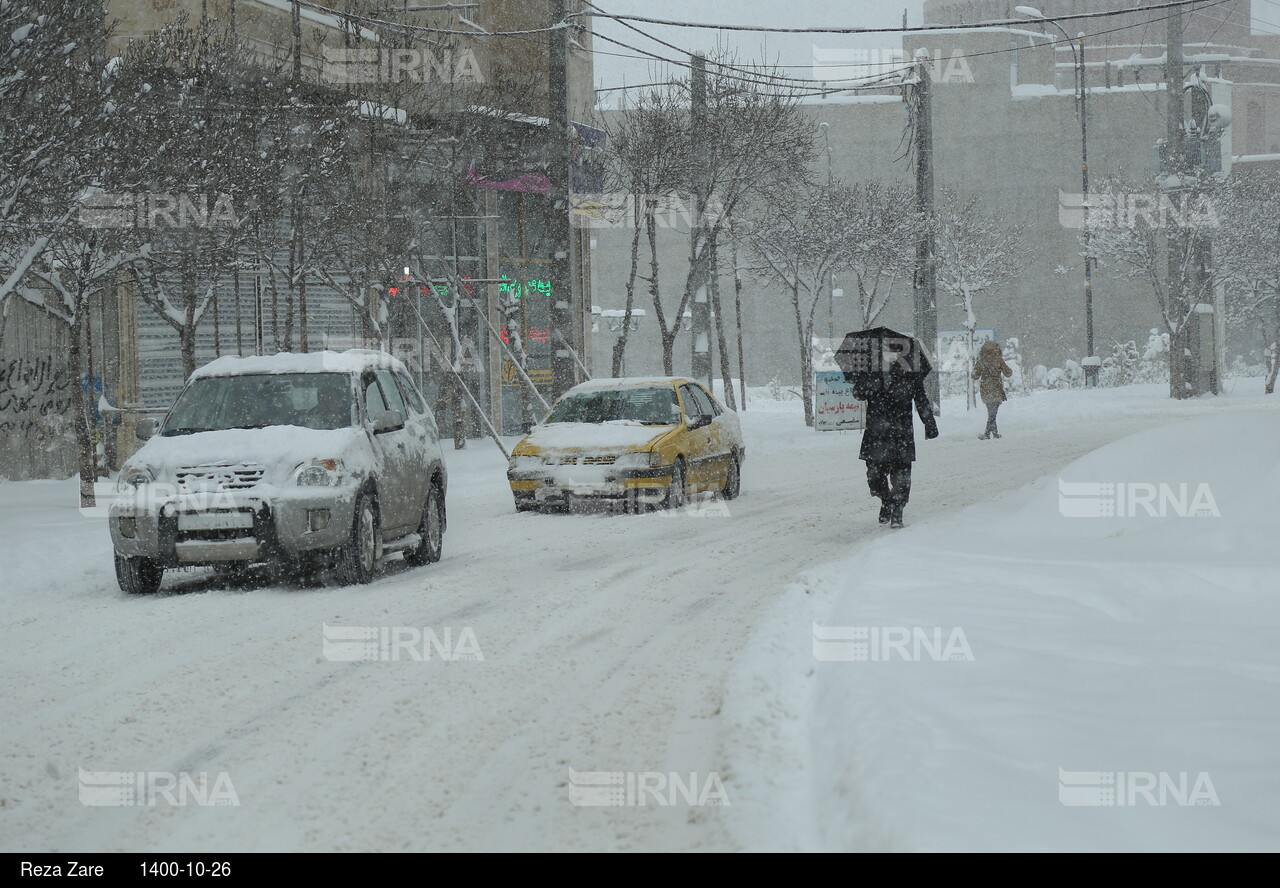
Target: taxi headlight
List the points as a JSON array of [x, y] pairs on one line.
[[639, 460]]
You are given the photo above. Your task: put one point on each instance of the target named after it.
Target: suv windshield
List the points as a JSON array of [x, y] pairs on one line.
[[310, 400], [650, 406]]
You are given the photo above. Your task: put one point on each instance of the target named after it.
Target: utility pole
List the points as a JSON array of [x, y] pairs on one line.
[[1204, 357], [925, 280], [1092, 363], [1175, 165], [701, 308], [295, 14], [831, 277], [563, 369]]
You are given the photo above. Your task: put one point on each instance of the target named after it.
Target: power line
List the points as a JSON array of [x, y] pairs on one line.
[[717, 63], [866, 82], [1174, 4], [404, 26], [766, 79]]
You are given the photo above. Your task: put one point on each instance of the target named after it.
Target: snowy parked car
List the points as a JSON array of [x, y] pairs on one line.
[[323, 459], [639, 442]]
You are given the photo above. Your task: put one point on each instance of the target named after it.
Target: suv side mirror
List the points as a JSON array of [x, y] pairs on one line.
[[697, 422], [145, 429], [388, 421]]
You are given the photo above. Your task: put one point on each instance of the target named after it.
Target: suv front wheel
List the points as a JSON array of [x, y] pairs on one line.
[[138, 576], [358, 557]]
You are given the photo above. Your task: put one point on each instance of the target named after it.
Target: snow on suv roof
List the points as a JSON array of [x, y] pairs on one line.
[[627, 382], [352, 360]]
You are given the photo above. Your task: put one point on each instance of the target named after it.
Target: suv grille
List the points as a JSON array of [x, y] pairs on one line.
[[227, 476]]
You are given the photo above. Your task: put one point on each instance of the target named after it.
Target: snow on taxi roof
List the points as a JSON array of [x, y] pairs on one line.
[[622, 382]]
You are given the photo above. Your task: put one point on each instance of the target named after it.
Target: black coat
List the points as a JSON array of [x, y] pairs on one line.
[[889, 436]]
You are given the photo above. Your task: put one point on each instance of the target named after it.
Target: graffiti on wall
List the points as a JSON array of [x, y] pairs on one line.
[[34, 393]]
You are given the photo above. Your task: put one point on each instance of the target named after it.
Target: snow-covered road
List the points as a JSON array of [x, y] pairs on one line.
[[606, 644]]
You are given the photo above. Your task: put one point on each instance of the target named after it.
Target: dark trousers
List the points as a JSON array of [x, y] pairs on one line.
[[891, 482], [991, 415]]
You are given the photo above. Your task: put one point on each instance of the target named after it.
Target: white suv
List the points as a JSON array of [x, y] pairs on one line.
[[328, 459]]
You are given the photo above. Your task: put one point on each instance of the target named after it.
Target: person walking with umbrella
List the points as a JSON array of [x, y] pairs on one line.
[[987, 369], [887, 371]]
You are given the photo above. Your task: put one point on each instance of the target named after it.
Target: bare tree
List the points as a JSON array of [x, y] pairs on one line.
[[647, 157], [755, 145], [880, 233], [1247, 247], [976, 252], [75, 269], [53, 112], [1166, 247], [797, 245]]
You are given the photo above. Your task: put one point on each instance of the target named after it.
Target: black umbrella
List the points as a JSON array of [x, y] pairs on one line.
[[861, 357]]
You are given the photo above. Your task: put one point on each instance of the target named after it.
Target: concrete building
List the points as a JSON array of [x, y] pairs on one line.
[[136, 354], [1007, 131]]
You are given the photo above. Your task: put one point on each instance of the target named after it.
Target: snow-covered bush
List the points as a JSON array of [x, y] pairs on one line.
[[1121, 366], [1017, 383], [774, 387]]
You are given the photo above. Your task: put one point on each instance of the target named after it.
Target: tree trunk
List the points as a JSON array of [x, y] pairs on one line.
[[187, 340], [726, 367], [1275, 348], [84, 441], [668, 337], [668, 351], [291, 269], [806, 358], [1178, 363], [303, 343], [737, 317], [620, 346], [457, 408]]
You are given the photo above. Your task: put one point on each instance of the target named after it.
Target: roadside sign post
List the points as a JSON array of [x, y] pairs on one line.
[[835, 408]]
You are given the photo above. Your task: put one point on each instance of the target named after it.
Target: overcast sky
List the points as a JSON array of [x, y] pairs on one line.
[[796, 50], [783, 49]]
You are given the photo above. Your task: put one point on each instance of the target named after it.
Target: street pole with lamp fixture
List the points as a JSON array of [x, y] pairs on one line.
[[831, 284], [1091, 362]]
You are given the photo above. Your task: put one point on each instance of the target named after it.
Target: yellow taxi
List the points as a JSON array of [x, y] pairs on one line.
[[638, 442]]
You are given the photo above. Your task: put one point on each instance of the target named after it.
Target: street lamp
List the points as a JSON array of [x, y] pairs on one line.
[[1091, 362], [831, 284], [618, 323]]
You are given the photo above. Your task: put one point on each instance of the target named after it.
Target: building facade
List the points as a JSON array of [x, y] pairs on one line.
[[1006, 130]]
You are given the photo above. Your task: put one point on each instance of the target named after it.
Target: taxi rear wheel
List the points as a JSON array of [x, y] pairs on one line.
[[733, 477]]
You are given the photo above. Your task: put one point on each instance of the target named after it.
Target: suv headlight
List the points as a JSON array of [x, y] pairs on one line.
[[643, 460], [319, 473], [133, 478], [526, 461]]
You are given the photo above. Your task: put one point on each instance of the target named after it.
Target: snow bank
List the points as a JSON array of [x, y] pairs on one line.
[[1131, 649]]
